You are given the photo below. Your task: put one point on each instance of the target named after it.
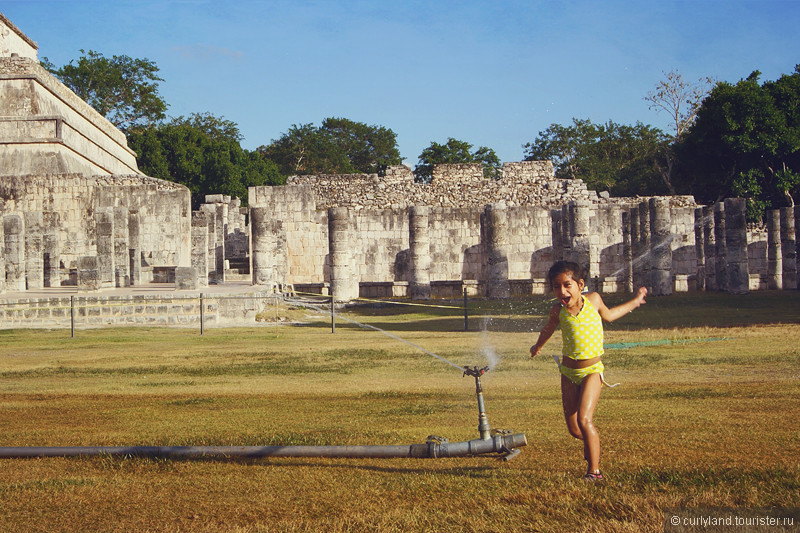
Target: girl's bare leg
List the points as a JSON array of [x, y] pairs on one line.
[[570, 400], [587, 402]]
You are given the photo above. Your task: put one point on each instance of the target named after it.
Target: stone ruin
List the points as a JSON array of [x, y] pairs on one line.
[[384, 236], [75, 210]]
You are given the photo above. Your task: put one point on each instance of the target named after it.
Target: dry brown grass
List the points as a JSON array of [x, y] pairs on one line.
[[694, 424]]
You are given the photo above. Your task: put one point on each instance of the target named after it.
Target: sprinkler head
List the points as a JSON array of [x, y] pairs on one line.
[[475, 371]]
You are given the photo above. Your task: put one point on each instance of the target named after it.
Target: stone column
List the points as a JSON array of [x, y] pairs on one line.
[[89, 273], [51, 257], [496, 217], [122, 256], [699, 249], [222, 233], [721, 249], [774, 256], [2, 252], [566, 232], [15, 253], [34, 261], [344, 286], [738, 272], [636, 251], [104, 228], [200, 247], [264, 231], [627, 254], [645, 259], [710, 246], [419, 287], [578, 227], [788, 248], [661, 247], [51, 249], [796, 241], [134, 248], [211, 219]]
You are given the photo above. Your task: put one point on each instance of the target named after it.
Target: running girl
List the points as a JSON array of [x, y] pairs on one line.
[[581, 369]]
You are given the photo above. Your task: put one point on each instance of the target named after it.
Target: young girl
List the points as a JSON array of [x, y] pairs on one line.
[[581, 369]]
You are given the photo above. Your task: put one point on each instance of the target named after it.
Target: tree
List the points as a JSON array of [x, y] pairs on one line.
[[455, 152], [339, 146], [203, 153], [746, 142], [369, 149], [122, 89], [619, 158], [681, 100]]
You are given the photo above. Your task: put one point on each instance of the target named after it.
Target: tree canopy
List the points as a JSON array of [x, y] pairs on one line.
[[455, 152], [338, 146], [746, 142], [203, 153], [121, 88], [619, 158]]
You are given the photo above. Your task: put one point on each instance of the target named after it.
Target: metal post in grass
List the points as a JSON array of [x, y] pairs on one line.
[[333, 315], [466, 313], [202, 314], [72, 317]]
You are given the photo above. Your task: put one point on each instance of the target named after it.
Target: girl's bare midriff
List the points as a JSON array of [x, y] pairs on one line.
[[578, 363]]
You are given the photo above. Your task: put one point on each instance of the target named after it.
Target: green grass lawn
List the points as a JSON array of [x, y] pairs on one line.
[[709, 419]]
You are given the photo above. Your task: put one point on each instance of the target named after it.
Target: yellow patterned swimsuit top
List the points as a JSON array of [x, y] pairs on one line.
[[583, 333]]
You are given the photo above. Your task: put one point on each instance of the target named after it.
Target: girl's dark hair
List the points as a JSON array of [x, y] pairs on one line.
[[561, 267]]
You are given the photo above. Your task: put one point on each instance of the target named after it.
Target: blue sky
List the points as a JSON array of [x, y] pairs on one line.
[[492, 73]]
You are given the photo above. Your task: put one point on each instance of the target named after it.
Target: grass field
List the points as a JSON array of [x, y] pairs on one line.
[[709, 420]]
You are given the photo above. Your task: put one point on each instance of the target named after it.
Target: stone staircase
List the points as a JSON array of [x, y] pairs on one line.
[[238, 269]]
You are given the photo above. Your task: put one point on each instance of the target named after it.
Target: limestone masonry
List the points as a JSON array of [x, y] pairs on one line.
[[75, 211]]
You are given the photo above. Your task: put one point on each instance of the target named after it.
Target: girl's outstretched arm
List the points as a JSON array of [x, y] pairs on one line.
[[610, 315], [547, 330]]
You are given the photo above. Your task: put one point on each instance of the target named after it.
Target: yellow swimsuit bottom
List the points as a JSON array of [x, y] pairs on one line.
[[577, 375]]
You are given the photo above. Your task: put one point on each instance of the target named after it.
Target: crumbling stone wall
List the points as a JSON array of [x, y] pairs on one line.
[[522, 183]]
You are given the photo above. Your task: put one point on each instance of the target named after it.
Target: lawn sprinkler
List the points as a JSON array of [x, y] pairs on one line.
[[483, 422], [484, 430]]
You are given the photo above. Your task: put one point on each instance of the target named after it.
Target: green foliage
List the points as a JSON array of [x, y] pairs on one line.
[[456, 152], [746, 142], [339, 146], [625, 160], [203, 153], [121, 88]]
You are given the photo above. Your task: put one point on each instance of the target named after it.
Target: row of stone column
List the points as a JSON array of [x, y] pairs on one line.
[[118, 258], [720, 241], [268, 249], [783, 263], [720, 247], [31, 257]]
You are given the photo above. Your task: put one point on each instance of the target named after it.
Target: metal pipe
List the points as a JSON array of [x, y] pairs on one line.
[[436, 447], [483, 421]]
